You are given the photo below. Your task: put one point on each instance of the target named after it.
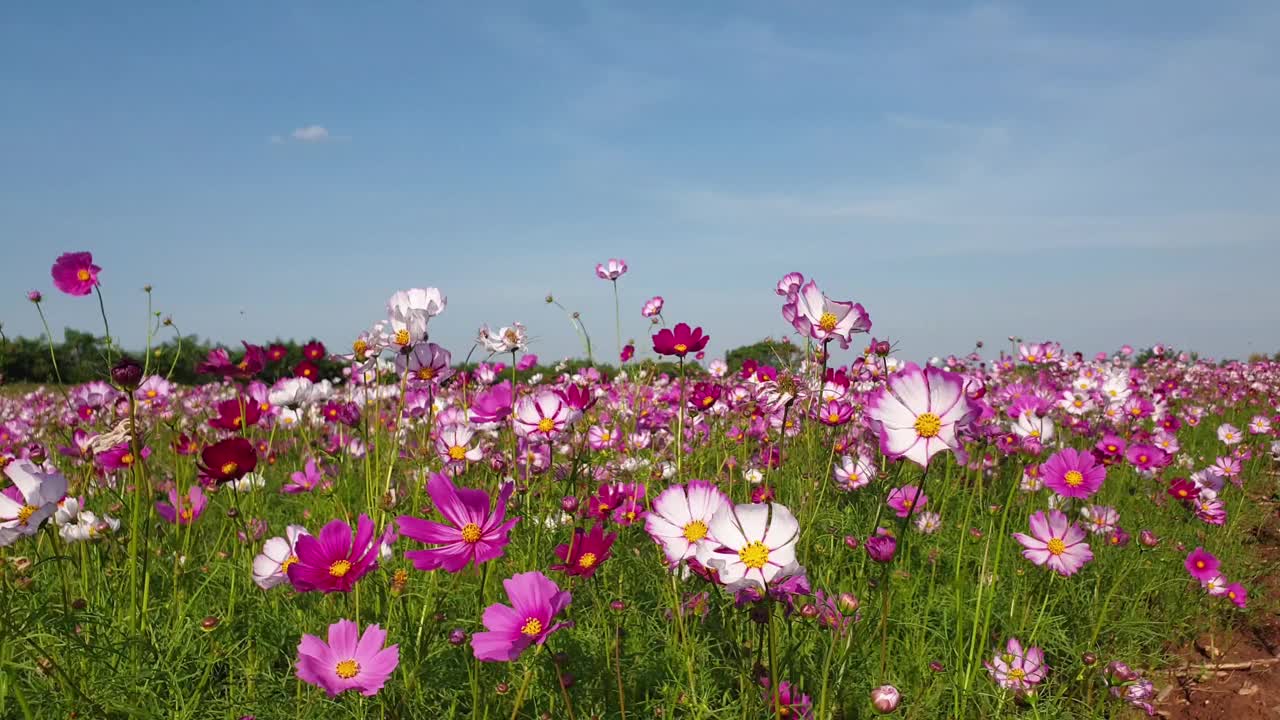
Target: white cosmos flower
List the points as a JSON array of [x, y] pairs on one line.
[[41, 491], [271, 567], [512, 338], [88, 526], [290, 392], [756, 543], [408, 312], [249, 483], [1035, 426], [680, 518]]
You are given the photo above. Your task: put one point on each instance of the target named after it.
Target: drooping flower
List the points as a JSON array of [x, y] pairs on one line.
[[1055, 541], [1202, 564], [349, 661], [271, 566], [585, 552], [1017, 670], [33, 498], [530, 619], [680, 519], [333, 561], [679, 341], [918, 413], [474, 533], [75, 274], [754, 543], [491, 406], [183, 510], [824, 319], [1073, 474]]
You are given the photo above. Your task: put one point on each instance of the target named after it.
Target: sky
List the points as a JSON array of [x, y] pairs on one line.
[[1095, 173]]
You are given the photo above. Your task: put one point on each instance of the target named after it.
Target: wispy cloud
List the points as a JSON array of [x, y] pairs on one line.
[[311, 134]]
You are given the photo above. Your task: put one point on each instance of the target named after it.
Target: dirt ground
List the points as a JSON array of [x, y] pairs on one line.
[[1236, 675]]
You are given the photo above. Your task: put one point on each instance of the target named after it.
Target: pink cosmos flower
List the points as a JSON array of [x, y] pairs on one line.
[[33, 497], [611, 270], [907, 500], [1073, 474], [1057, 542], [543, 416], [918, 413], [1202, 565], [305, 481], [854, 472], [271, 566], [475, 533], [75, 274], [753, 544], [453, 446], [1229, 434], [1015, 669], [680, 519], [824, 319], [183, 510], [349, 661], [652, 307], [1100, 519], [509, 630], [333, 562]]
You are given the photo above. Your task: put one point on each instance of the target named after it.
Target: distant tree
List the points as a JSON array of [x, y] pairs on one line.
[[766, 352]]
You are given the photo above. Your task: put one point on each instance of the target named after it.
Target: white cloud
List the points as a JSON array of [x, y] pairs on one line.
[[311, 133]]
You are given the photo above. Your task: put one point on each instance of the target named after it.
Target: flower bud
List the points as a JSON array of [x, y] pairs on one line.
[[127, 373], [210, 623], [35, 296], [885, 699], [1089, 659], [1148, 539], [457, 636]]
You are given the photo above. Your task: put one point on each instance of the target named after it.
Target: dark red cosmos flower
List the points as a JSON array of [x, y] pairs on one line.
[[313, 350], [1183, 489], [236, 414], [277, 352], [307, 369], [184, 444], [228, 460], [679, 342], [586, 552]]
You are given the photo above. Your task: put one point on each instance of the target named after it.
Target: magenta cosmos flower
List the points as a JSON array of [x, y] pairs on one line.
[[585, 552], [907, 500], [918, 413], [75, 274], [611, 270], [1202, 565], [1057, 542], [1073, 474], [679, 341], [535, 603], [333, 562], [182, 510], [474, 533], [349, 661], [824, 319]]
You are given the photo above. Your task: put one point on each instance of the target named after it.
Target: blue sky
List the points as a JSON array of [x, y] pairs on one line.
[[1093, 172]]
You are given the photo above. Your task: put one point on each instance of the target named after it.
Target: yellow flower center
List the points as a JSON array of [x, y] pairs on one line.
[[288, 563], [127, 459], [587, 560], [1017, 673], [186, 515], [151, 393], [402, 337], [681, 347], [532, 627], [706, 401], [695, 531], [25, 513], [1200, 564], [754, 555], [828, 321], [426, 373], [229, 467], [340, 568], [347, 669], [471, 533], [1073, 478], [546, 425], [928, 425], [833, 418], [457, 452], [359, 347], [83, 275], [1231, 594], [1056, 546]]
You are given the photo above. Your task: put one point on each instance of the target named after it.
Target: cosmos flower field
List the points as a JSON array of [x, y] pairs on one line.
[[469, 533]]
